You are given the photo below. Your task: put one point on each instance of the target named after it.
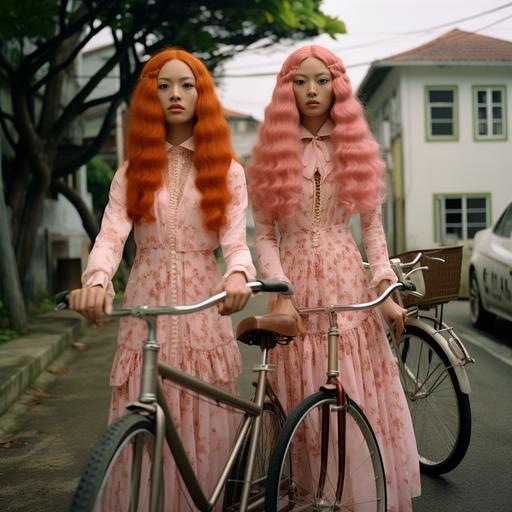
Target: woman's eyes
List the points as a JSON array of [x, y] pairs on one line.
[[186, 85], [320, 81]]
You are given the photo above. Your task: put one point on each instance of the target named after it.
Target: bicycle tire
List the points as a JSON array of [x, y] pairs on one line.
[[297, 490], [114, 443], [440, 411], [270, 430]]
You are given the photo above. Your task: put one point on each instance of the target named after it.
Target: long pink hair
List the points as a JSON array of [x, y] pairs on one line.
[[276, 168]]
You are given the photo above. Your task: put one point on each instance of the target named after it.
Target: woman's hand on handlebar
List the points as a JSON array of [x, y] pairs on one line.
[[91, 302], [394, 315], [237, 293], [284, 305]]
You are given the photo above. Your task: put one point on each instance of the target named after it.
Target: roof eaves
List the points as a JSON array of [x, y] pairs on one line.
[[402, 63]]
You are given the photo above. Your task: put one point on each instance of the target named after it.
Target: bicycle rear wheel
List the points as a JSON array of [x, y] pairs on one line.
[[441, 412], [272, 422], [293, 475], [117, 475]]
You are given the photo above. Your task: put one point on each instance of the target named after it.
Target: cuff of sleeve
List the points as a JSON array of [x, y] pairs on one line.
[[249, 272], [101, 279], [381, 275]]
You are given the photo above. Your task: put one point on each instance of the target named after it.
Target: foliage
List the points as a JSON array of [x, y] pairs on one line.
[[7, 335], [99, 177], [39, 44], [46, 305]]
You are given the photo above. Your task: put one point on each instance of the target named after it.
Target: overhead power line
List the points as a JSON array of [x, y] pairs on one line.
[[398, 35]]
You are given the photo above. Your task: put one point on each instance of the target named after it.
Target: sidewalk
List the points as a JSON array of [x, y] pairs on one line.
[[24, 358]]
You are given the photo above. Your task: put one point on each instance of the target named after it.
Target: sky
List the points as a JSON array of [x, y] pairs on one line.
[[375, 29]]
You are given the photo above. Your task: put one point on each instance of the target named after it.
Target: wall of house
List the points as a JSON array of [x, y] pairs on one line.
[[383, 115], [462, 166]]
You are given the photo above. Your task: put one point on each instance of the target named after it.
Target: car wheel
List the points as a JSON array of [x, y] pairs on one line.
[[480, 317]]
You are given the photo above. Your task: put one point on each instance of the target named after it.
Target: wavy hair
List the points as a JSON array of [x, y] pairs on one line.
[[276, 168], [146, 154]]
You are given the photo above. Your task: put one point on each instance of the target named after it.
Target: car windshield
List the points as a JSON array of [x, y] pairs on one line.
[[504, 225]]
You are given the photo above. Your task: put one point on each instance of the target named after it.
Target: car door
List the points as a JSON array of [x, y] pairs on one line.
[[498, 274]]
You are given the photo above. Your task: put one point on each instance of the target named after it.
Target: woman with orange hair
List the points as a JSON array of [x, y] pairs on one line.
[[314, 165], [184, 195]]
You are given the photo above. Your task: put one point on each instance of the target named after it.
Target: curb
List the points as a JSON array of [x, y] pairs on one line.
[[23, 359]]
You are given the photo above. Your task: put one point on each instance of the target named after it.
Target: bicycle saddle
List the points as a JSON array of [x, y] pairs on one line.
[[267, 330]]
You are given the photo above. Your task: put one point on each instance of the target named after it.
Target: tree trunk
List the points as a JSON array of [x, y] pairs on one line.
[[9, 277], [16, 192], [30, 221]]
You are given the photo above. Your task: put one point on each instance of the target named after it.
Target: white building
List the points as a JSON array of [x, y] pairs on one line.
[[442, 114]]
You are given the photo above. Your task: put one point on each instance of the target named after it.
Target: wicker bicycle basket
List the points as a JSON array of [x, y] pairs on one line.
[[442, 280]]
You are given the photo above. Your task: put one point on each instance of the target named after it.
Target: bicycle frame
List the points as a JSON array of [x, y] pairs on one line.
[[334, 382], [152, 400]]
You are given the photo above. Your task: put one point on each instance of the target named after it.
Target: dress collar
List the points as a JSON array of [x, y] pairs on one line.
[[316, 152], [186, 144], [325, 131]]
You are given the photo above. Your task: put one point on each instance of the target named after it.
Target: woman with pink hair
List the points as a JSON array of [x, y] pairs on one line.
[[314, 166]]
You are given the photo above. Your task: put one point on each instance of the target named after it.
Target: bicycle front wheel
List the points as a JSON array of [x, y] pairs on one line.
[[117, 475], [440, 411], [294, 472]]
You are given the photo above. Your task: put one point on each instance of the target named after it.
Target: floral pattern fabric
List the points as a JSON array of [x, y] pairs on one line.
[[175, 264], [315, 251]]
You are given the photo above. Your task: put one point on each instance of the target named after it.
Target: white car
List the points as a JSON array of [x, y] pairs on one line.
[[490, 272]]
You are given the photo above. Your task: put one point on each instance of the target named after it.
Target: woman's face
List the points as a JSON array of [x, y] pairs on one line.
[[312, 86], [177, 92]]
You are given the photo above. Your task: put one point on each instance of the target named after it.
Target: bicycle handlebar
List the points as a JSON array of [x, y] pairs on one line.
[[268, 286], [406, 286]]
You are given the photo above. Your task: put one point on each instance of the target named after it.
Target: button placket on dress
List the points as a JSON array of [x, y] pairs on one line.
[[180, 161]]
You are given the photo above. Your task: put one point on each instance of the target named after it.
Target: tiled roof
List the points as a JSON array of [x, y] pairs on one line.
[[457, 45]]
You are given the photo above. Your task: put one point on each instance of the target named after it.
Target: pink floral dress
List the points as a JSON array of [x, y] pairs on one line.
[[175, 264], [315, 251]]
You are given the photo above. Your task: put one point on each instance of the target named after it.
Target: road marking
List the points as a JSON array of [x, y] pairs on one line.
[[501, 352]]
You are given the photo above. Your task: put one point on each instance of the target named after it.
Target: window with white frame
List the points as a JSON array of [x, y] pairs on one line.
[[490, 112], [441, 113], [459, 217]]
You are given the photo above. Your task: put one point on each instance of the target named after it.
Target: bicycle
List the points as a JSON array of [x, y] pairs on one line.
[[331, 420], [431, 359], [135, 441]]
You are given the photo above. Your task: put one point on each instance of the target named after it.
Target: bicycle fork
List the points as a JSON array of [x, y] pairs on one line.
[[333, 382]]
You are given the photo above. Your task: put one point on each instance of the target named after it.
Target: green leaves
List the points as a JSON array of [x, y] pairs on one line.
[[27, 18]]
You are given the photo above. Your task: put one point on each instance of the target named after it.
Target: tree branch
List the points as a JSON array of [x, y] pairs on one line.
[[88, 220], [3, 117], [74, 107], [6, 65], [66, 165], [65, 63], [84, 15]]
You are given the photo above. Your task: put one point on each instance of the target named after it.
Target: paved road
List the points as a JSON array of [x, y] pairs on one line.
[[483, 480], [39, 471]]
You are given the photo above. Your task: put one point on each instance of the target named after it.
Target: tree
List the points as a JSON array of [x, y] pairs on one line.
[[42, 38]]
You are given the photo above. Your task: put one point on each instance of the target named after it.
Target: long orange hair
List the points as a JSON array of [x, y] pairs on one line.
[[146, 154]]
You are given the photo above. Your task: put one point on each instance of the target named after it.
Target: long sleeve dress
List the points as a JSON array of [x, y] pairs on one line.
[[315, 251], [175, 264]]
